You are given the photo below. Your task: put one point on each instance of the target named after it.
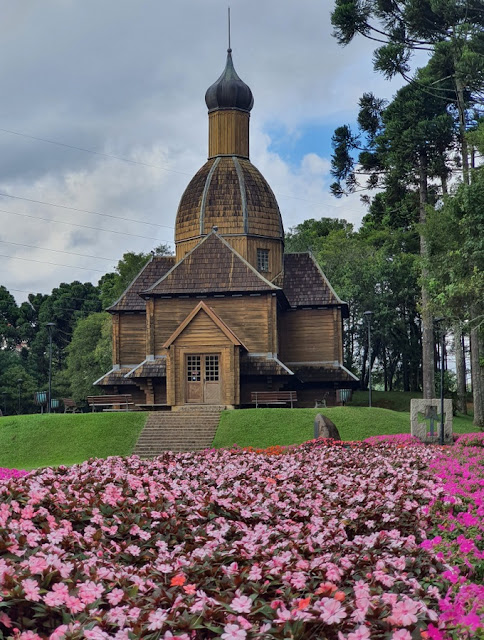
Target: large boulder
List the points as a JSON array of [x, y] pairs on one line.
[[325, 428]]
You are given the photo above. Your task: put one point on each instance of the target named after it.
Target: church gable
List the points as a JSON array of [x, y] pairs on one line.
[[213, 266], [203, 327]]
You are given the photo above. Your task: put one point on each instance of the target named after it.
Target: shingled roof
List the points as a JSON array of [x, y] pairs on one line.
[[324, 372], [213, 266], [149, 369], [153, 270], [263, 365], [305, 285]]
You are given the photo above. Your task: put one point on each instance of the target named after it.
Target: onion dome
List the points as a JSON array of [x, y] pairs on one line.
[[228, 192], [229, 91]]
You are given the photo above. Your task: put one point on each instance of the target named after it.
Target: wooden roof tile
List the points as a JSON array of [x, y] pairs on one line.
[[153, 270], [305, 284], [213, 266]]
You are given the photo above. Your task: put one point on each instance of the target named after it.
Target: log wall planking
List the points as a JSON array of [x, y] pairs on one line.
[[150, 327], [308, 335], [132, 338], [247, 318], [115, 338]]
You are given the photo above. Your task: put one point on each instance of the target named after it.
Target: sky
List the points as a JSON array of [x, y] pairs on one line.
[[127, 78]]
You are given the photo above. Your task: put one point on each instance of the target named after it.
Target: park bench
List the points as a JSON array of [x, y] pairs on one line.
[[121, 402], [70, 406], [273, 397]]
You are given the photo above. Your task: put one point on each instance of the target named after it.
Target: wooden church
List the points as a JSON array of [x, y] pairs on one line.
[[231, 313]]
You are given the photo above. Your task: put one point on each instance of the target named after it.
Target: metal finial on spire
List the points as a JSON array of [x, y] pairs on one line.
[[229, 49]]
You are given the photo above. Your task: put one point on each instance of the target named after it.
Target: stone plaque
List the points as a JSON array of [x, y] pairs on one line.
[[425, 420]]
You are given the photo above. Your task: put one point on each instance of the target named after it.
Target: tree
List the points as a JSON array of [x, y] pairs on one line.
[[451, 30], [8, 319], [309, 235], [455, 235], [89, 354], [64, 306], [404, 148], [12, 369]]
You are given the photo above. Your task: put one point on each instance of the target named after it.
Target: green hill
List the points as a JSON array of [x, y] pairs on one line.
[[27, 442], [31, 441]]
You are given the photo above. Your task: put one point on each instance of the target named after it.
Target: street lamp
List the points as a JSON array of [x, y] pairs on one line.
[[19, 382], [368, 315], [50, 327]]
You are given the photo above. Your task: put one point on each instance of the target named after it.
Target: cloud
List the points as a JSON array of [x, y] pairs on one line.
[[128, 79]]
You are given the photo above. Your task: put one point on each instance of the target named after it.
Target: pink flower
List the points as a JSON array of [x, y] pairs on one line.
[[74, 604], [361, 633], [53, 599], [31, 590], [157, 619], [401, 634], [331, 610], [115, 596], [29, 635], [404, 613], [233, 632], [241, 604], [90, 591]]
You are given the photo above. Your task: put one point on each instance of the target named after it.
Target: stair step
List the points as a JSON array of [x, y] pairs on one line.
[[187, 429]]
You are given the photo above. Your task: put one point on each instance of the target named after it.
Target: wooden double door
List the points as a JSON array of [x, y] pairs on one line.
[[203, 378]]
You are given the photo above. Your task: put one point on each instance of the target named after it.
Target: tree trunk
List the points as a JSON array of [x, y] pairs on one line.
[[477, 372], [428, 360], [461, 108], [460, 370]]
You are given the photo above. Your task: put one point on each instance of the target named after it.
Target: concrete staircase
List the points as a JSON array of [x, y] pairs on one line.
[[190, 428]]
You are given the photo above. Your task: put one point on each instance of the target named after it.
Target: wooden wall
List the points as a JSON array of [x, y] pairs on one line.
[[202, 336], [132, 338], [310, 335], [249, 317], [228, 133]]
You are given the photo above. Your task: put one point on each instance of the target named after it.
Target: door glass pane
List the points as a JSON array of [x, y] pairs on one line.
[[193, 368], [211, 368]]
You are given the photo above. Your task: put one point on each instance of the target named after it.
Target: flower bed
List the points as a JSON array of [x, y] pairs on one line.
[[324, 541], [5, 474]]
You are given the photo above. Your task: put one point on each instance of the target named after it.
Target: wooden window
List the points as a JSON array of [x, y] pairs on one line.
[[263, 260], [193, 369], [211, 368]]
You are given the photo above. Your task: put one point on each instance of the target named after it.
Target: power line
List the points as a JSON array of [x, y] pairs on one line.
[[96, 213], [83, 226], [71, 253], [96, 153], [55, 264], [144, 164]]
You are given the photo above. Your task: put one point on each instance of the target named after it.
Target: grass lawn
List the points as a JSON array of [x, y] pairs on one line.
[[394, 400], [266, 427], [27, 442]]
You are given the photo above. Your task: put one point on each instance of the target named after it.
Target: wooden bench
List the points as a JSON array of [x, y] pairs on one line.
[[273, 397], [123, 402], [70, 406]]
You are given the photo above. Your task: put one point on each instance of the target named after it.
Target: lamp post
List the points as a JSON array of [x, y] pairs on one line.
[[368, 315], [50, 327], [19, 382]]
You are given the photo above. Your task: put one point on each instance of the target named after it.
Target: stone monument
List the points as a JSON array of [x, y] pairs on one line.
[[425, 420]]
